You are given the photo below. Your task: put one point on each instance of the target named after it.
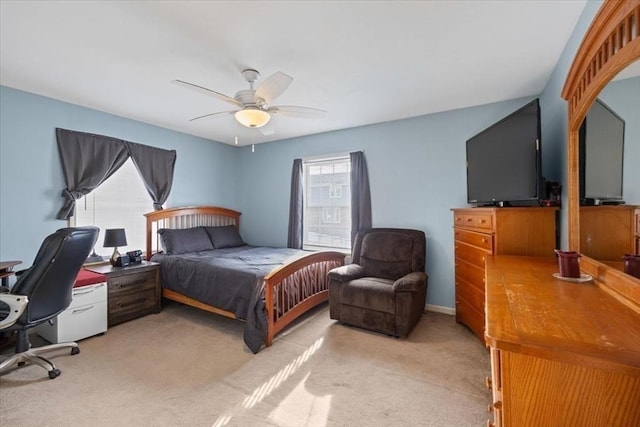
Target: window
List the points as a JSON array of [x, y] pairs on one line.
[[327, 203], [119, 202]]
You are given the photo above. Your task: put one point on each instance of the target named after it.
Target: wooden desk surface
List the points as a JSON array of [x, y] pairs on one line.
[[529, 311]]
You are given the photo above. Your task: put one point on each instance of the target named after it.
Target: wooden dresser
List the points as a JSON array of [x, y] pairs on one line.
[[609, 232], [479, 232], [562, 353]]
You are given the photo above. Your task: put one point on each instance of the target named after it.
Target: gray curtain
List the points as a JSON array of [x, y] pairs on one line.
[[156, 167], [87, 161], [294, 239], [360, 194]]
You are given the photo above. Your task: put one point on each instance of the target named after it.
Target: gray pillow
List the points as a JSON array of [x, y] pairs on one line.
[[180, 241], [225, 236]]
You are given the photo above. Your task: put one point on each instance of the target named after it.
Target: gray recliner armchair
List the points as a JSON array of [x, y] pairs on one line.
[[385, 287]]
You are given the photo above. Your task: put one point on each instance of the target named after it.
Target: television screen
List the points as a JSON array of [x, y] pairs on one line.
[[503, 161], [601, 155]]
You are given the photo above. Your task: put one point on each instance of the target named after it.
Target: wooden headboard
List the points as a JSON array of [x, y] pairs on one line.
[[186, 217]]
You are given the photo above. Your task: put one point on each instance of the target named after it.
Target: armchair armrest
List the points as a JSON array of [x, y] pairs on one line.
[[346, 273], [17, 304], [411, 282]]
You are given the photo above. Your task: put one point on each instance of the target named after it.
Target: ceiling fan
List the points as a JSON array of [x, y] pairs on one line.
[[253, 109]]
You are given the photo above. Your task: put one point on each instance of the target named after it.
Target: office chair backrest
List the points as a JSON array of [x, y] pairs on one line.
[[49, 281]]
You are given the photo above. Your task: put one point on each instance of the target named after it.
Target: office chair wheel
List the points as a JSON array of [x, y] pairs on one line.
[[54, 373], [75, 350]]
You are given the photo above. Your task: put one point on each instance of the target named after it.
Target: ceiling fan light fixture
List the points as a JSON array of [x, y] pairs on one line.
[[252, 117]]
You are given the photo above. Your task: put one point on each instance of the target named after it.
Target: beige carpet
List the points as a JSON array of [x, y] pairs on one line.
[[185, 367]]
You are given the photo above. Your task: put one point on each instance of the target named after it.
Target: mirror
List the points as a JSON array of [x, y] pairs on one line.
[[609, 166], [611, 43]]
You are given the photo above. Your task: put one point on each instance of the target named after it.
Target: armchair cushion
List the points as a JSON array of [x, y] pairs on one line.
[[372, 292], [347, 273], [412, 282], [386, 254]]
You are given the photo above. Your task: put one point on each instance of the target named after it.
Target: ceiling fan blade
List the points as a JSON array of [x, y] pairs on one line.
[[206, 91], [273, 86], [268, 129], [206, 116], [295, 111]]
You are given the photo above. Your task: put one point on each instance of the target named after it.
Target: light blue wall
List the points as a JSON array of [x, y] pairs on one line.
[[623, 97], [416, 172], [554, 114], [31, 177], [416, 168]]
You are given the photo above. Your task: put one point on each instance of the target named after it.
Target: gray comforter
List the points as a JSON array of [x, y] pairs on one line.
[[230, 279]]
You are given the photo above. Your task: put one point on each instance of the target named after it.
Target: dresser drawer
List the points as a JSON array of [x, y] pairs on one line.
[[470, 293], [132, 305], [470, 274], [484, 241], [131, 283], [467, 315], [471, 254], [480, 220]]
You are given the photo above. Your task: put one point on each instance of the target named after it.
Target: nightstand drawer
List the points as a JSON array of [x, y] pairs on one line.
[[132, 283], [132, 305]]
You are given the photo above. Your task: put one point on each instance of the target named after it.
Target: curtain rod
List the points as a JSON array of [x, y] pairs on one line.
[[327, 157]]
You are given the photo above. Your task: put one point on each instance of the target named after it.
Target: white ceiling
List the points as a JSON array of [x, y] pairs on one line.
[[363, 61]]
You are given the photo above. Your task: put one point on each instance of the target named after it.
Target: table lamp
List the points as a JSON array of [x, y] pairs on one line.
[[113, 238]]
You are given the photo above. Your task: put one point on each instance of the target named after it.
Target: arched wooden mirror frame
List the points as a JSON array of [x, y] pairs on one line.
[[611, 43]]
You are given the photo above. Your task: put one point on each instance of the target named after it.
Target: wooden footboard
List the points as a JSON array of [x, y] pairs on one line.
[[290, 290], [296, 287]]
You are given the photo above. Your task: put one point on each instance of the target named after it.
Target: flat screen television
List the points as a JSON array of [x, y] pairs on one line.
[[504, 160], [601, 141]]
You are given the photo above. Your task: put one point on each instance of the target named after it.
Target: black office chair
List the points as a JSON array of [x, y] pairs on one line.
[[43, 291]]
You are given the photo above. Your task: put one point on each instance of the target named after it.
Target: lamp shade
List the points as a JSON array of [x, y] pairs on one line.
[[114, 237], [252, 117]]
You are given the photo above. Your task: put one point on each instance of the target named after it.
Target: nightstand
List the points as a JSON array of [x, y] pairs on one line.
[[134, 291]]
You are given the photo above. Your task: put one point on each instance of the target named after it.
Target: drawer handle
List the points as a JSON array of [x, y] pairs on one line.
[[458, 219], [490, 423], [487, 382], [137, 282], [83, 292], [82, 310], [484, 240], [482, 221], [138, 301], [469, 219]]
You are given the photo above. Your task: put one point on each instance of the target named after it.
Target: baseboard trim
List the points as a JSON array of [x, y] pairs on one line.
[[440, 309]]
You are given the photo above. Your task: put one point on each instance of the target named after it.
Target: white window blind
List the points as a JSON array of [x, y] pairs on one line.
[[119, 202], [327, 204]]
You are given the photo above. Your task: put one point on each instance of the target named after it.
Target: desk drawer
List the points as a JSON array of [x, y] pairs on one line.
[[76, 323], [89, 294]]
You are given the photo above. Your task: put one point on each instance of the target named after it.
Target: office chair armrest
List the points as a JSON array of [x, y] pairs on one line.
[[17, 304], [346, 273], [411, 282]]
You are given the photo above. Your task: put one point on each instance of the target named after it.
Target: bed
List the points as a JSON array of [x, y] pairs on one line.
[[267, 288]]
